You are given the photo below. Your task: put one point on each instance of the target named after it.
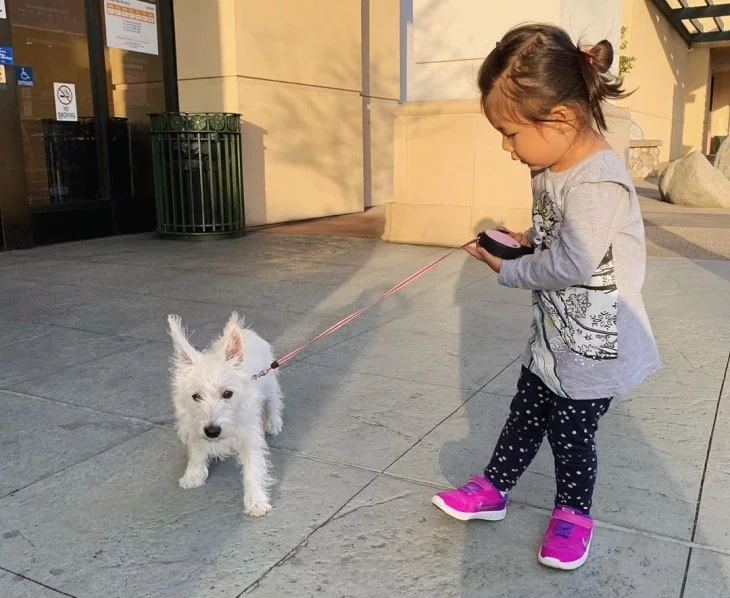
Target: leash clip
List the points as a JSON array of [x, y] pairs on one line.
[[274, 364]]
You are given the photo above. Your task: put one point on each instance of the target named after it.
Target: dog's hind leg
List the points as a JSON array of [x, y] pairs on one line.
[[196, 471], [273, 406]]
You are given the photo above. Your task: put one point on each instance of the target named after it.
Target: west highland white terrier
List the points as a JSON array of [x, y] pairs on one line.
[[222, 410]]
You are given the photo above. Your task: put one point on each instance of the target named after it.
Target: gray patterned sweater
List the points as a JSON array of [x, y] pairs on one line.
[[591, 336]]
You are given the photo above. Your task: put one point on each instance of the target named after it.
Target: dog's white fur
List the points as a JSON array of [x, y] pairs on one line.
[[253, 409]]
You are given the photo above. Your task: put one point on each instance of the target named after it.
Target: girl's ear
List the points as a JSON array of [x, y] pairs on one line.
[[564, 115]]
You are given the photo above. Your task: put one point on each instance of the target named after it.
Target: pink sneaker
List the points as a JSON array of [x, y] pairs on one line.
[[477, 499], [567, 539]]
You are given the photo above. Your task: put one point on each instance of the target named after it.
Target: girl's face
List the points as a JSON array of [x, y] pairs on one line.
[[537, 145]]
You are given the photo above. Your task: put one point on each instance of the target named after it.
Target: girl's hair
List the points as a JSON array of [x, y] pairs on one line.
[[539, 67]]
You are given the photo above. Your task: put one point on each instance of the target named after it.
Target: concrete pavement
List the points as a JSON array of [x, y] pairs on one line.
[[407, 399]]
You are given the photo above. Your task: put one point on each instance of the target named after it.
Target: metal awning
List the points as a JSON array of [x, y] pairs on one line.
[[698, 21]]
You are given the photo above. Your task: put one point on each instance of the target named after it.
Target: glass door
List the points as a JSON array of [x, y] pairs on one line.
[[56, 106], [86, 74]]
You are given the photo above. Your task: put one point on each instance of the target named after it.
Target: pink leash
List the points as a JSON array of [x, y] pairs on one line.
[[347, 319]]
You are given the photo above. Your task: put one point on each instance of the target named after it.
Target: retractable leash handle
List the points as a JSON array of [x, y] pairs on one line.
[[500, 244]]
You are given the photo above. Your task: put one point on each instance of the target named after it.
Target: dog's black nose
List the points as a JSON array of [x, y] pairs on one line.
[[212, 431]]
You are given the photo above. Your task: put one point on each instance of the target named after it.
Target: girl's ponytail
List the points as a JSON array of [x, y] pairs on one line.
[[595, 62], [539, 67]]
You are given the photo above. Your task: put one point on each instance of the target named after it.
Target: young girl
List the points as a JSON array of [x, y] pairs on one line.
[[591, 338]]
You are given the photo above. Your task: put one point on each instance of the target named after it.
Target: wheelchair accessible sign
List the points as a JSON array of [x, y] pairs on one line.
[[24, 76]]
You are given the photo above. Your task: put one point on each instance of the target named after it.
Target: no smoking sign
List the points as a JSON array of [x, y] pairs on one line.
[[65, 96]]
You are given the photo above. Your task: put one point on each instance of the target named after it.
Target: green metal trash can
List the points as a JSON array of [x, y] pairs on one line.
[[196, 159]]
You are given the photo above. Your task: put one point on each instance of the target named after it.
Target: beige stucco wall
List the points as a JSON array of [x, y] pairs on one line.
[[590, 21], [452, 178], [452, 37], [671, 82], [316, 97]]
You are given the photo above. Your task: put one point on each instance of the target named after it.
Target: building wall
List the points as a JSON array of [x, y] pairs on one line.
[[452, 37], [590, 22], [671, 82], [452, 177], [316, 84]]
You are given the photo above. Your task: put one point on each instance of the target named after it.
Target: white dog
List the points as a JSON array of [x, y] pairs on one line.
[[222, 410]]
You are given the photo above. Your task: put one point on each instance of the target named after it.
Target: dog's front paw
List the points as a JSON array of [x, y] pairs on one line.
[[257, 509], [193, 479], [273, 427]]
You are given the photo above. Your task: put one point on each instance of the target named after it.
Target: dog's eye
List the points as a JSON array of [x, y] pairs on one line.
[[197, 397], [227, 394]]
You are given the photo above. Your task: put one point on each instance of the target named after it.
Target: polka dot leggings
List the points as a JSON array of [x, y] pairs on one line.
[[570, 427]]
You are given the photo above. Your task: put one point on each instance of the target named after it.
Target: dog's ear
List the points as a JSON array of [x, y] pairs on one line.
[[232, 339], [184, 351]]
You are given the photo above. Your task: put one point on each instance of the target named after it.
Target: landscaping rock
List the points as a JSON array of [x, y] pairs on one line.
[[694, 183]]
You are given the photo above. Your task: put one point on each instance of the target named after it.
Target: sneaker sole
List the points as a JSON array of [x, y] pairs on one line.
[[554, 563], [461, 516]]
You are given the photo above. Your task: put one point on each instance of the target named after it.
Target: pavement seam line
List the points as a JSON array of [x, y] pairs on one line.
[[704, 476], [39, 583], [381, 375], [126, 337], [324, 460], [129, 418], [72, 465], [183, 270], [469, 398], [106, 290], [81, 363], [338, 514], [293, 552], [430, 484]]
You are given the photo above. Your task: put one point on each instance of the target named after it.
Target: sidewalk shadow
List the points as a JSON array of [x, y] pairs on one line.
[[640, 466], [711, 261]]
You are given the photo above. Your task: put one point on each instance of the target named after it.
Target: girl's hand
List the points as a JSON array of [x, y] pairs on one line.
[[521, 238], [478, 252]]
